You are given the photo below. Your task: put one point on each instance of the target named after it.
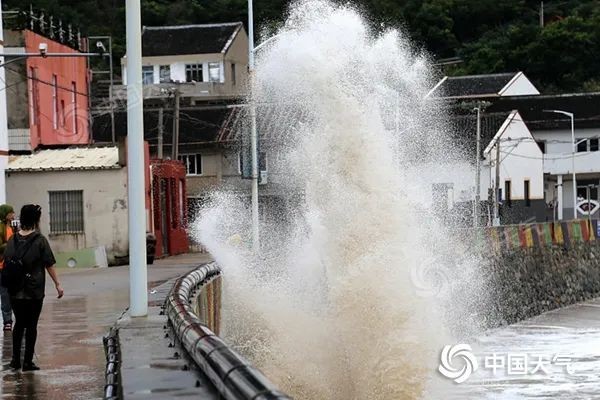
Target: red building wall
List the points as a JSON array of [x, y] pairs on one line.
[[58, 95], [169, 205]]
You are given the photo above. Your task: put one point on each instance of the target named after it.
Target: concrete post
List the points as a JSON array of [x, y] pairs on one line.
[[559, 196], [138, 278]]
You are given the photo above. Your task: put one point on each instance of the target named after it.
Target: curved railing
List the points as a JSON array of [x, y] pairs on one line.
[[233, 376]]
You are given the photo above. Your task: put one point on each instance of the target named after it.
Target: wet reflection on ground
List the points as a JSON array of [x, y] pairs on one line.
[[69, 347]]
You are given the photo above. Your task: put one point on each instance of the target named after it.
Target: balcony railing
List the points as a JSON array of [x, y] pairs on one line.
[[186, 89], [562, 163]]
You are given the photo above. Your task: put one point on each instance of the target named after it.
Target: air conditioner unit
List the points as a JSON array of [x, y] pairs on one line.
[[263, 178]]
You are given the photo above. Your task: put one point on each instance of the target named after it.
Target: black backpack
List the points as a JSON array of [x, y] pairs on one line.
[[14, 274]]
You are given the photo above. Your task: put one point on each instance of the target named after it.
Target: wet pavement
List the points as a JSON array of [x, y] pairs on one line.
[[153, 365], [69, 347], [553, 356]]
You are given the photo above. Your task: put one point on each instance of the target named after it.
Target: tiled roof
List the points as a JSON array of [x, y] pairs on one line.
[[473, 85], [584, 106], [88, 158], [195, 126], [464, 129], [188, 39]]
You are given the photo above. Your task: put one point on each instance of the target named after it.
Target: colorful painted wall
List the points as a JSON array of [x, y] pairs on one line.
[[562, 234]]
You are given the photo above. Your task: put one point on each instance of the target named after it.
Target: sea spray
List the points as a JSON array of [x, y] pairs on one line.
[[330, 308]]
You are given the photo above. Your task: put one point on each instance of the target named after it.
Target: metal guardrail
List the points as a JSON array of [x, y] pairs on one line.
[[233, 376], [113, 389]]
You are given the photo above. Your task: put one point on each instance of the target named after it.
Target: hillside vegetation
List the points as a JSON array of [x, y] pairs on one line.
[[488, 35]]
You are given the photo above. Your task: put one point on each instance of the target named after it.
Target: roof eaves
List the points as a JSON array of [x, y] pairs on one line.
[[472, 96], [231, 39], [501, 131], [510, 83], [174, 27], [436, 86]]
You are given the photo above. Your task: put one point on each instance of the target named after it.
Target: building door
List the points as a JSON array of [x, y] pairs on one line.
[[164, 211]]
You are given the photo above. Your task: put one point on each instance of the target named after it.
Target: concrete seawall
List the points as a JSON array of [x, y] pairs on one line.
[[535, 268]]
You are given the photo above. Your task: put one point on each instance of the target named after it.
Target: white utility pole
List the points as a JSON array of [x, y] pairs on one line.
[[496, 221], [253, 133], [573, 151], [477, 170], [559, 196], [138, 277], [3, 121]]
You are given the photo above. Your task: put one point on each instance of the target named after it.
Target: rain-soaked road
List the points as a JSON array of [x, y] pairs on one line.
[[69, 347], [553, 356]]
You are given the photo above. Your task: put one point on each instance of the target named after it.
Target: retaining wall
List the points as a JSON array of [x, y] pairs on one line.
[[534, 268]]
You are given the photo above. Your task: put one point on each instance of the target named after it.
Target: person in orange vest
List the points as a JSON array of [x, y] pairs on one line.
[[7, 216]]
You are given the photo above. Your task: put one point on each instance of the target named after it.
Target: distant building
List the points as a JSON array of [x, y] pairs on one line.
[[483, 86], [47, 98], [83, 192], [207, 66], [535, 148], [203, 62]]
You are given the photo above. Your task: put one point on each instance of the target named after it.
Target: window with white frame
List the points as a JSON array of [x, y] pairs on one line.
[[148, 74], [192, 162], [193, 73], [165, 73], [74, 106], [54, 102], [584, 145], [214, 72], [66, 211]]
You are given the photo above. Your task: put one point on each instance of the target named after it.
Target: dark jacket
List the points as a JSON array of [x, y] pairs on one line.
[[36, 259]]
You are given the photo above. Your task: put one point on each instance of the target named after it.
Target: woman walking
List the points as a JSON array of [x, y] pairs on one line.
[[36, 257]]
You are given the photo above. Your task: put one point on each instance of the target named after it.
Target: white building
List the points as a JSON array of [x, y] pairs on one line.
[[206, 62], [83, 195]]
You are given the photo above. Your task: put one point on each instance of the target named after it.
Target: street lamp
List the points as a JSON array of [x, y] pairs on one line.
[[570, 115]]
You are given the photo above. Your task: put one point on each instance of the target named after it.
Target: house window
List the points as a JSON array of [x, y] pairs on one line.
[[165, 73], [526, 193], [593, 144], [214, 72], [66, 211], [62, 114], [54, 102], [585, 186], [192, 162], [181, 203], [33, 95], [148, 75], [507, 193], [233, 74], [74, 106], [581, 145], [193, 73]]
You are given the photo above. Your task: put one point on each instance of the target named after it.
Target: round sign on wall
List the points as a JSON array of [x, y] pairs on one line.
[[587, 208]]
